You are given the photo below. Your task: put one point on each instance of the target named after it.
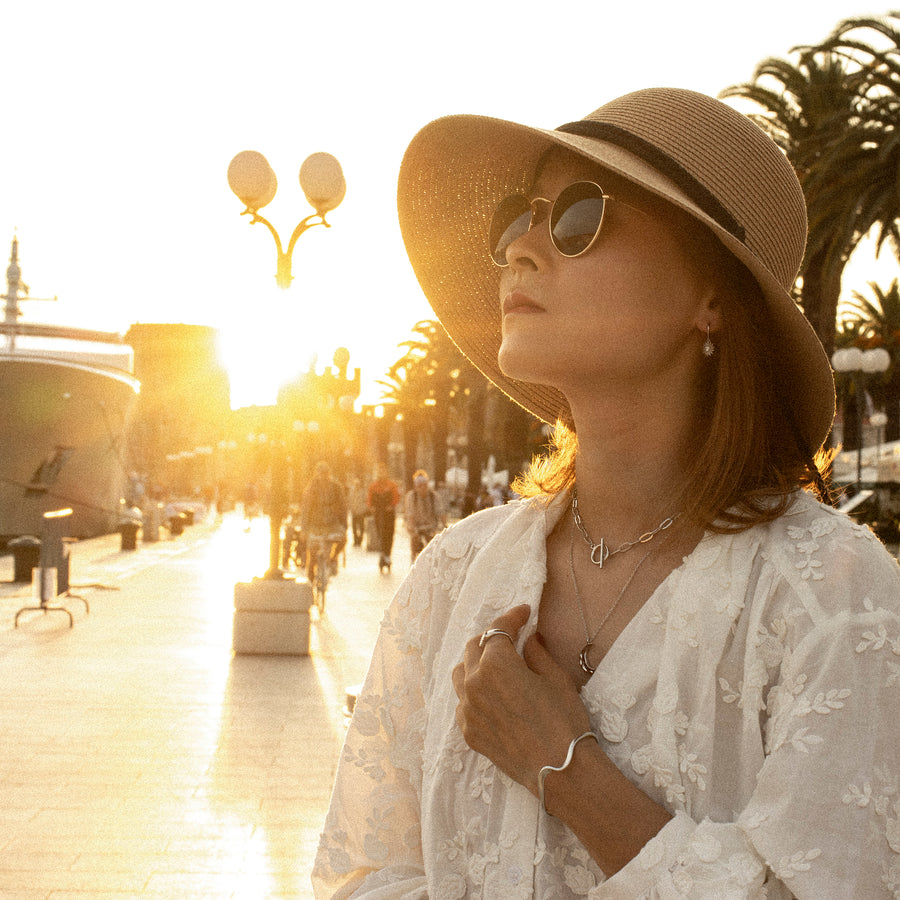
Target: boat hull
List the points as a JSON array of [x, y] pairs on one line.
[[63, 429]]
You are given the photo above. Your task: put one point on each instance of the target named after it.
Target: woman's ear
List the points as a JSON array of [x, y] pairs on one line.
[[709, 318]]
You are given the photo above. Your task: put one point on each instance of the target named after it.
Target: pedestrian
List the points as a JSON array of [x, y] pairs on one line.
[[423, 513], [358, 503], [250, 503], [671, 669], [383, 496]]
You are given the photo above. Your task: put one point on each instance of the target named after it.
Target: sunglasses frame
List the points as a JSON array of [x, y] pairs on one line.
[[531, 221]]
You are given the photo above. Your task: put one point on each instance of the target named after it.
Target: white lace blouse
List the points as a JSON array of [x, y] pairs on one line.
[[756, 696]]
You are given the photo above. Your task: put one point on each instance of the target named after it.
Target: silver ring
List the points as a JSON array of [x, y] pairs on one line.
[[494, 631]]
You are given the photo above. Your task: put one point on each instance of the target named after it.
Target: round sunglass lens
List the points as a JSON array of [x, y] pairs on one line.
[[510, 221], [576, 217]]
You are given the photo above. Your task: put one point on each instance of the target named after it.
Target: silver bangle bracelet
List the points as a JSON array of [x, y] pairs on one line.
[[546, 769]]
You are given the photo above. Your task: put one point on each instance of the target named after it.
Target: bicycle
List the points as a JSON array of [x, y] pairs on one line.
[[321, 550], [422, 537]]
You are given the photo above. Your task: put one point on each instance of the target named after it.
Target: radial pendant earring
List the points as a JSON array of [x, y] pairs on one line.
[[709, 348]]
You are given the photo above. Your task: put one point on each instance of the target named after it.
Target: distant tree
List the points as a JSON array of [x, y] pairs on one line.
[[424, 384], [848, 335], [406, 391], [876, 321], [433, 384]]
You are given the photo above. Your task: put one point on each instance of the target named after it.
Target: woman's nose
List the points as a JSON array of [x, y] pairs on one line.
[[531, 248]]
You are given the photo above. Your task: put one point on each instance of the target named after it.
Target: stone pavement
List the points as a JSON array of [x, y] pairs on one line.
[[139, 757]]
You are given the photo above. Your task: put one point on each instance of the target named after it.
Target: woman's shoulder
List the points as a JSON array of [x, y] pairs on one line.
[[815, 545], [489, 519], [482, 526]]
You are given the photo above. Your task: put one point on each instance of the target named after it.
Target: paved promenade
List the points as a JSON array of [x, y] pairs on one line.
[[139, 757]]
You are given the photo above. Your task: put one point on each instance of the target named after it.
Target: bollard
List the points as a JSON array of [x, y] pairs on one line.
[[151, 522], [54, 552], [26, 551], [129, 533], [129, 525]]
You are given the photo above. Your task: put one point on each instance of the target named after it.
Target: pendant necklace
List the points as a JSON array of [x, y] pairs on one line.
[[601, 552], [583, 657]]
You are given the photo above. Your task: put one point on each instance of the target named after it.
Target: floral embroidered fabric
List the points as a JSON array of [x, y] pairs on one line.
[[756, 695]]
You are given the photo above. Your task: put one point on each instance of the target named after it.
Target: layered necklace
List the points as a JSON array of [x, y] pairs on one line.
[[598, 560], [600, 552]]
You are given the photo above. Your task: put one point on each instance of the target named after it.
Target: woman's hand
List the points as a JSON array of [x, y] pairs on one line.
[[522, 714], [519, 713]]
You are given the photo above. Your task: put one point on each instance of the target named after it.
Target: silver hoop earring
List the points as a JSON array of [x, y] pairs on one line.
[[709, 348]]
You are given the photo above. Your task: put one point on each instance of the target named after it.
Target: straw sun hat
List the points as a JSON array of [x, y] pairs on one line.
[[695, 152]]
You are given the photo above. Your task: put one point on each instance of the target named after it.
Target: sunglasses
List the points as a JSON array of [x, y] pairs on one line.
[[575, 219]]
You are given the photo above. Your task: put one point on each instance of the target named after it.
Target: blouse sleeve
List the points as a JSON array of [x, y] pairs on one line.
[[371, 844], [824, 818]]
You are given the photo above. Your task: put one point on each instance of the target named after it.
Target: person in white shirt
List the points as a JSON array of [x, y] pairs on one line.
[[673, 668]]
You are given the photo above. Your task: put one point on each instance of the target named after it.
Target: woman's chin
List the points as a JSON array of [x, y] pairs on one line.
[[522, 363], [515, 365]]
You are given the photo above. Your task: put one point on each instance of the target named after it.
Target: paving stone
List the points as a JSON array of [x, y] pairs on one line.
[[139, 757]]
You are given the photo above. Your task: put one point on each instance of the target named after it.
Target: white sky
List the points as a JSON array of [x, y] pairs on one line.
[[121, 119]]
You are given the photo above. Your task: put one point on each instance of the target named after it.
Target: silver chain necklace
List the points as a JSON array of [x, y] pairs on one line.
[[584, 656], [601, 552]]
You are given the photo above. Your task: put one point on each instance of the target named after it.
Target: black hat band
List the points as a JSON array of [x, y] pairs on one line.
[[664, 164]]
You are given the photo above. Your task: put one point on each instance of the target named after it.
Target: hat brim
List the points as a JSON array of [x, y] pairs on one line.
[[455, 172]]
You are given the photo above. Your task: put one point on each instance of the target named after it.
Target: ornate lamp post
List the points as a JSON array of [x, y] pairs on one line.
[[858, 364], [253, 181]]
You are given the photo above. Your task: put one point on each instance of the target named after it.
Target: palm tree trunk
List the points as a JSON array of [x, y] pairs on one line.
[[475, 429], [821, 293], [441, 430]]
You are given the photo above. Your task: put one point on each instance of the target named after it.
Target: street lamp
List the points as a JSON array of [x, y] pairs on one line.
[[252, 180], [858, 364], [878, 421]]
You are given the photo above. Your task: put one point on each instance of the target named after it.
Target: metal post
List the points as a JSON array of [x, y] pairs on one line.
[[858, 382], [278, 508]]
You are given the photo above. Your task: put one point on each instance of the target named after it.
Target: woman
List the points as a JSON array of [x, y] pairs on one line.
[[669, 671]]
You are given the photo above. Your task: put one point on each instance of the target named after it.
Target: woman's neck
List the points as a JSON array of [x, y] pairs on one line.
[[631, 469]]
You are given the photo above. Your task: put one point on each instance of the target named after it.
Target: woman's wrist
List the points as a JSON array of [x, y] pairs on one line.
[[570, 755], [611, 817]]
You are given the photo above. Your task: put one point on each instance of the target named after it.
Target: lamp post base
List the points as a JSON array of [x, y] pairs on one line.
[[272, 617], [277, 575]]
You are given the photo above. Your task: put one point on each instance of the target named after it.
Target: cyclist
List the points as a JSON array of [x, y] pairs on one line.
[[424, 513], [323, 510]]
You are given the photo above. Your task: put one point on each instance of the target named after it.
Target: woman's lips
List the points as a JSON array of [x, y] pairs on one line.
[[517, 302]]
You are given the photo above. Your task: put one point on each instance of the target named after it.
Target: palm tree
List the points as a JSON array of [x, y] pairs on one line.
[[407, 391], [425, 383], [433, 384], [862, 166], [805, 107]]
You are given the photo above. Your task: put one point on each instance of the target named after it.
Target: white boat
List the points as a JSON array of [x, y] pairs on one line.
[[66, 396]]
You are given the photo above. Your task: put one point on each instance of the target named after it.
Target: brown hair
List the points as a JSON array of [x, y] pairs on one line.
[[749, 456]]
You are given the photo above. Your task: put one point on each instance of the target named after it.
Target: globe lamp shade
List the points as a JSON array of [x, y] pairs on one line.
[[252, 179], [322, 180], [876, 360]]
